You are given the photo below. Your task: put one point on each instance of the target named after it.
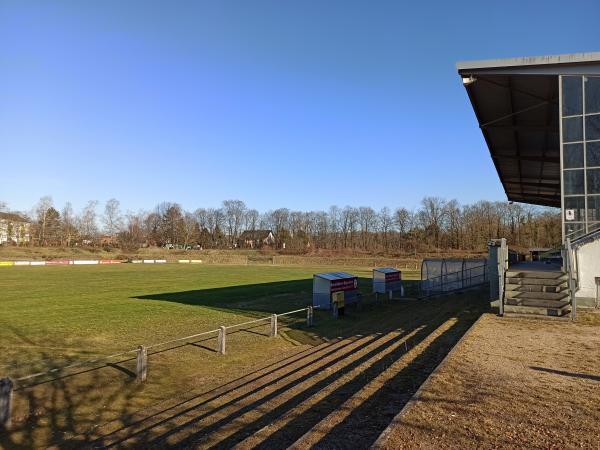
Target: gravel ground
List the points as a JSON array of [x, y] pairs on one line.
[[512, 383]]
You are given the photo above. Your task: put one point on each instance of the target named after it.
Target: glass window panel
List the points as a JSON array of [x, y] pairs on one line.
[[592, 94], [573, 156], [572, 96], [592, 154], [574, 229], [573, 129], [592, 127], [593, 208], [593, 181], [573, 180], [578, 205]]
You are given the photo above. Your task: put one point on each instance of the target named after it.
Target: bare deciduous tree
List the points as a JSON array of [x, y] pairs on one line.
[[112, 217]]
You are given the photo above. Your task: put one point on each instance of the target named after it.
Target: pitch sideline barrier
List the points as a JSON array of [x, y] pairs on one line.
[[6, 263]]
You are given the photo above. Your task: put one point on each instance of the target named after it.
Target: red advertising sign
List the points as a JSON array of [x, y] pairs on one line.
[[348, 284], [392, 276], [58, 262], [110, 261]]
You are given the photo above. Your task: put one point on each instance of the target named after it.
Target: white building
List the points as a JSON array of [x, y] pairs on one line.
[[14, 229]]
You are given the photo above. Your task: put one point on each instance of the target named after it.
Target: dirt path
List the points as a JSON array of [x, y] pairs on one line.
[[512, 383], [316, 397]]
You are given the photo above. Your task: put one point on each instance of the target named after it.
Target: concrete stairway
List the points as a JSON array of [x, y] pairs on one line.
[[537, 292]]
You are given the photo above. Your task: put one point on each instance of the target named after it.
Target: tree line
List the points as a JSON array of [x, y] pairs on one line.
[[437, 224]]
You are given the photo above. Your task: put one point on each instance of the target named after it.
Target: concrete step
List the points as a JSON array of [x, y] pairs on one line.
[[536, 288], [536, 302], [537, 281], [537, 295], [538, 310], [534, 274]]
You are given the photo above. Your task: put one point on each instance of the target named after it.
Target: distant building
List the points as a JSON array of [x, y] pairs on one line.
[[256, 238], [536, 253], [14, 229], [108, 240]]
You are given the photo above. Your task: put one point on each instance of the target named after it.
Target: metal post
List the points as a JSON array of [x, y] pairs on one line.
[[309, 316], [376, 297], [221, 340], [6, 392], [390, 294], [274, 325], [569, 253], [141, 369], [335, 310]]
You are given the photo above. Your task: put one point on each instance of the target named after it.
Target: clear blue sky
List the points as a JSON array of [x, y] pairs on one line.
[[300, 104]]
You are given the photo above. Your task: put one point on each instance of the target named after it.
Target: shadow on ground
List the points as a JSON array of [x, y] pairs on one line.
[[270, 406]]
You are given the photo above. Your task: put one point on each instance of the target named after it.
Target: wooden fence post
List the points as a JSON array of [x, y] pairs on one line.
[[141, 369], [6, 392], [274, 325], [221, 340]]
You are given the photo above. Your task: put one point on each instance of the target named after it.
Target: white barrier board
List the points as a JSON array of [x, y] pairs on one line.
[[22, 263], [37, 263], [81, 262]]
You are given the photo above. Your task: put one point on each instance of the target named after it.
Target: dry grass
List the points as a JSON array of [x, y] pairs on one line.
[[512, 383]]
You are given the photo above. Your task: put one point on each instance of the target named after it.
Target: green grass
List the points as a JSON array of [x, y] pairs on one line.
[[72, 313], [53, 315]]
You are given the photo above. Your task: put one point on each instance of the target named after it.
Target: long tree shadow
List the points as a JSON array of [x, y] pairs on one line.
[[424, 320], [300, 424], [273, 297], [69, 409]]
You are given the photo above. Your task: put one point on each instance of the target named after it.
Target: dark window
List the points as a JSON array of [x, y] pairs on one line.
[[578, 205], [573, 156], [592, 128], [572, 96], [593, 181], [592, 154], [572, 129], [592, 95], [594, 208], [573, 182]]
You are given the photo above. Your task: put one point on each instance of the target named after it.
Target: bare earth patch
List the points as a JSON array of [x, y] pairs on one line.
[[512, 382]]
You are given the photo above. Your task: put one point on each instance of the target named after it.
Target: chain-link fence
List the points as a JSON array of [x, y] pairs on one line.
[[443, 275]]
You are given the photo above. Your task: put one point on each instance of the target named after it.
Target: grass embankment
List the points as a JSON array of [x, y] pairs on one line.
[[237, 256]]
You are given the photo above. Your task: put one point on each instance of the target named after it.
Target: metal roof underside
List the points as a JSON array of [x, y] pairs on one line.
[[516, 104]]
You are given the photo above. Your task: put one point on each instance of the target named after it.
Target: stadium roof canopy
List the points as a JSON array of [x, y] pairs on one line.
[[516, 101]]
